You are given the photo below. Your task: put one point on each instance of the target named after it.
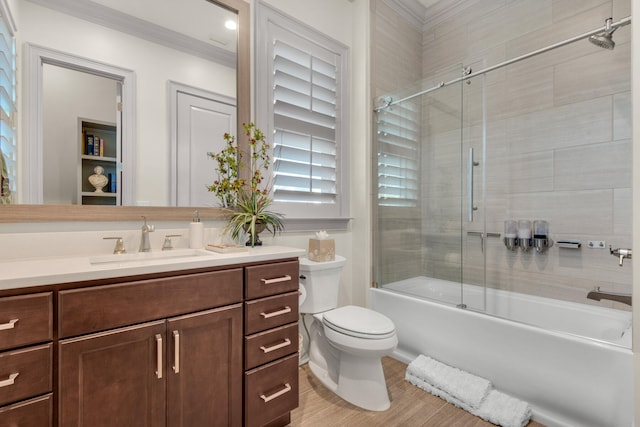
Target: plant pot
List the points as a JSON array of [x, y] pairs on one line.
[[254, 241]]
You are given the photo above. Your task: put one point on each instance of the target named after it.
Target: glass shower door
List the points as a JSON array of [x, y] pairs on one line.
[[419, 212]]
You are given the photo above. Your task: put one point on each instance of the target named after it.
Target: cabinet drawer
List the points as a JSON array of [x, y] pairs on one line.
[[25, 320], [25, 373], [33, 413], [270, 345], [106, 307], [271, 279], [271, 391], [267, 313]]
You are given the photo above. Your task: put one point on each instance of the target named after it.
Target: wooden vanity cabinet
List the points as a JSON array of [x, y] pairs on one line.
[[175, 371], [271, 343], [26, 351], [212, 347]]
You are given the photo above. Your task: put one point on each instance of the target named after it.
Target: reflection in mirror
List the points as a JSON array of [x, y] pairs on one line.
[[160, 46]]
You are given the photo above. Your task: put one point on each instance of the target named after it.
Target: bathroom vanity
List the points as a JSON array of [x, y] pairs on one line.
[[208, 340]]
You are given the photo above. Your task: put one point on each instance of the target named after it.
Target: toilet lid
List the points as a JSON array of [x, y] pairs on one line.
[[359, 322]]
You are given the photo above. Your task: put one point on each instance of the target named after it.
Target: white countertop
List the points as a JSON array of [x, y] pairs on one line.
[[26, 272]]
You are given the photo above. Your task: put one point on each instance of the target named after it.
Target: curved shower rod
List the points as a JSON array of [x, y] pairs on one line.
[[610, 26]]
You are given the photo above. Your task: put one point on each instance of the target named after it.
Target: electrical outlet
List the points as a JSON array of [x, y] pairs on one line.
[[596, 244]]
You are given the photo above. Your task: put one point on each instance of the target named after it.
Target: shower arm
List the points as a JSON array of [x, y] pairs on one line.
[[609, 27]]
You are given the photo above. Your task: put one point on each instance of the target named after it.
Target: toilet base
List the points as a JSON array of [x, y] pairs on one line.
[[355, 378], [360, 382]]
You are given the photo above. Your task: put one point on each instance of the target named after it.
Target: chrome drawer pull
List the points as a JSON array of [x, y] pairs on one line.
[[285, 278], [285, 310], [159, 356], [286, 342], [9, 381], [176, 352], [286, 389], [9, 325]]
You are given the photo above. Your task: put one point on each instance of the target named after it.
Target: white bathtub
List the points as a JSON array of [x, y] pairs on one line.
[[574, 367]]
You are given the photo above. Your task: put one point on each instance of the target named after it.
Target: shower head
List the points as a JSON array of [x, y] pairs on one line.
[[604, 39]]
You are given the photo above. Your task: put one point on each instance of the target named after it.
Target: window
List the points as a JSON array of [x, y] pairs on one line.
[[7, 106], [303, 103], [398, 136]]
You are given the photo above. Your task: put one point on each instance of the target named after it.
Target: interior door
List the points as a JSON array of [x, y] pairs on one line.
[[201, 124]]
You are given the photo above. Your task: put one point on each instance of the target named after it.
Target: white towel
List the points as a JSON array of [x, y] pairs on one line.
[[494, 406], [504, 410], [465, 387]]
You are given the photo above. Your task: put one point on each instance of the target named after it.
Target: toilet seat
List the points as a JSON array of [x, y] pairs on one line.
[[359, 322]]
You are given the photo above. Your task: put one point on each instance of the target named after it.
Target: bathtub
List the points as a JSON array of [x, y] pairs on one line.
[[572, 362]]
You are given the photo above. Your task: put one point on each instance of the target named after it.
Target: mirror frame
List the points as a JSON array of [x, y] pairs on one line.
[[53, 213]]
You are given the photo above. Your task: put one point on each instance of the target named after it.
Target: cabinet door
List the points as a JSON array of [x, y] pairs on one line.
[[114, 378], [204, 371]]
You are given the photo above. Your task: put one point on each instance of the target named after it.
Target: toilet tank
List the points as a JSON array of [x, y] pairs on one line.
[[320, 282]]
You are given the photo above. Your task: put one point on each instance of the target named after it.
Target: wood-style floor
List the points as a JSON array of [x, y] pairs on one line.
[[410, 406]]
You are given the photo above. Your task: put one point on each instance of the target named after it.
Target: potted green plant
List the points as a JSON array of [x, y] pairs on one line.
[[249, 202]]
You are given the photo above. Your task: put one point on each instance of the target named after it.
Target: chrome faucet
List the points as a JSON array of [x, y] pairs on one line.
[[598, 295], [145, 246], [621, 253]]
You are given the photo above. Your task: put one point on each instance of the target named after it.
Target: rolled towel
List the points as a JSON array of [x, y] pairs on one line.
[[436, 391], [465, 387], [504, 410]]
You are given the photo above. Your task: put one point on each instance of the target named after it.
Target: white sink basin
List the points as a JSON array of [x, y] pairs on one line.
[[147, 256]]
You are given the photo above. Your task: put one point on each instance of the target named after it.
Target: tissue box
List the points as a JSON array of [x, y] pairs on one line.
[[321, 250]]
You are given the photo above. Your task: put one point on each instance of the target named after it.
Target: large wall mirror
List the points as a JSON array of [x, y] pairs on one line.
[[140, 56]]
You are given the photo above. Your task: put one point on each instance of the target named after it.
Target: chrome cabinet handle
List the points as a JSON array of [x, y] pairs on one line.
[[286, 389], [286, 342], [285, 310], [285, 278], [9, 325], [9, 381], [176, 352], [470, 167], [159, 356]]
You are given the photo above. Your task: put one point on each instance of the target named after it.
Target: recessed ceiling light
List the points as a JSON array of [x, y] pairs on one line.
[[231, 24]]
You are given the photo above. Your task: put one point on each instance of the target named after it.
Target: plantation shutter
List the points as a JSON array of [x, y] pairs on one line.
[[7, 106], [305, 137], [398, 155]]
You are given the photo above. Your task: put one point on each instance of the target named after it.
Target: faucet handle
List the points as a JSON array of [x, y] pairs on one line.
[[119, 248], [167, 241]]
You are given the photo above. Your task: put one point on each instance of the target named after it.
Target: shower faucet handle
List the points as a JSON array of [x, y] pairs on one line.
[[621, 253]]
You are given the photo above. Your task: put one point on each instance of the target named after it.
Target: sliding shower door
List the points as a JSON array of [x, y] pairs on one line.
[[421, 183]]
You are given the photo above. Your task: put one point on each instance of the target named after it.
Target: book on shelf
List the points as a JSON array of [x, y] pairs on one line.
[[89, 144]]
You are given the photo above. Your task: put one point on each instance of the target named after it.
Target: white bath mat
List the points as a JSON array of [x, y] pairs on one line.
[[459, 384], [446, 382]]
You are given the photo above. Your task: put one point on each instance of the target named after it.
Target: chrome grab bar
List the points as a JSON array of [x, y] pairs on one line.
[[471, 165]]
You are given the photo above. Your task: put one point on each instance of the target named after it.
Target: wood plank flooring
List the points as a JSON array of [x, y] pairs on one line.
[[410, 406]]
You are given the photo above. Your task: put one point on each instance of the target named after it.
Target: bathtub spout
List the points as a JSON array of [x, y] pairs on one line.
[[598, 295]]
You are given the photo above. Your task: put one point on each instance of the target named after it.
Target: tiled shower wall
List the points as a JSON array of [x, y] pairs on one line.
[[558, 147]]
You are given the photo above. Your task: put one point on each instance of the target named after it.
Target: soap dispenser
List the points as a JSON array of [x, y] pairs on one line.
[[196, 232]]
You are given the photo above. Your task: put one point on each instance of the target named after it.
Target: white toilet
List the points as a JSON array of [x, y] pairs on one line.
[[346, 343]]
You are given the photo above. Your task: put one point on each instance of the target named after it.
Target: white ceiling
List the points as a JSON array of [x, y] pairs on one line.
[[199, 19]]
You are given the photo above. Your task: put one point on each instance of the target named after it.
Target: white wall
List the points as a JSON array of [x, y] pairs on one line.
[[347, 22]]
